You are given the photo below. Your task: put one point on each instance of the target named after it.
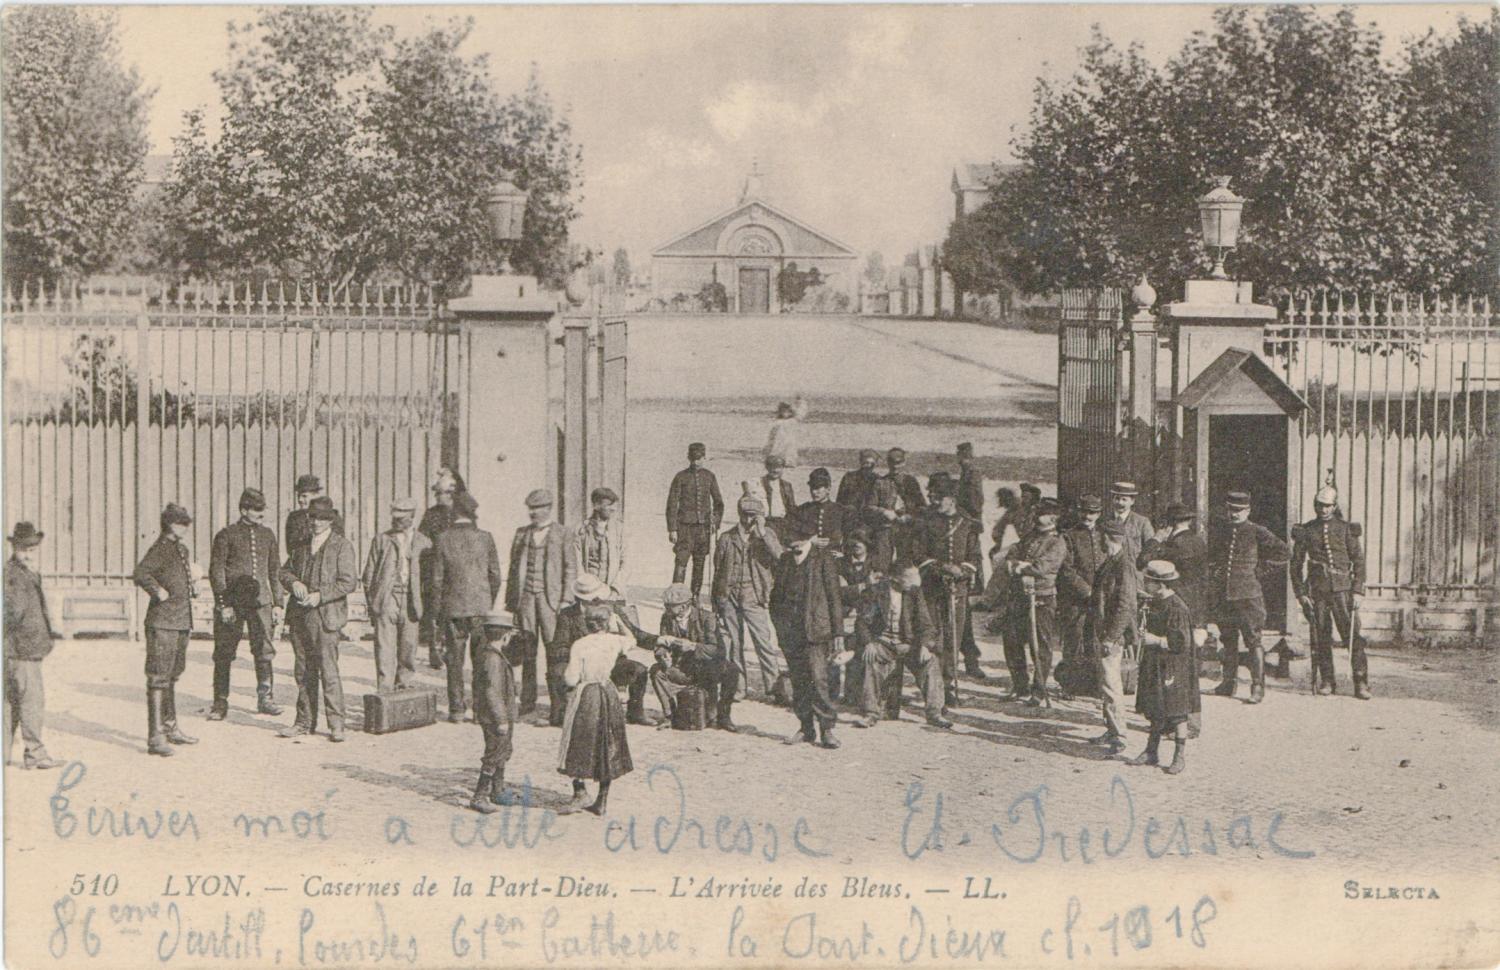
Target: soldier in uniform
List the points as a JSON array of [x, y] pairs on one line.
[[1075, 586], [689, 653], [892, 509], [165, 572], [970, 484], [855, 486], [1328, 576], [1237, 549], [777, 493], [466, 577], [298, 526], [1033, 565], [950, 564], [829, 520], [28, 640], [695, 508], [247, 599]]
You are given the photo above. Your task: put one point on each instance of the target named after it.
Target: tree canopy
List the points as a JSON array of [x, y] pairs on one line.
[[74, 141], [1354, 177], [346, 153]]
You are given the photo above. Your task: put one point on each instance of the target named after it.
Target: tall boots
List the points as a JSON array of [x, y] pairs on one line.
[[220, 710], [265, 701], [722, 719], [169, 719], [1257, 674], [1229, 679], [1361, 665], [156, 738], [1148, 757], [483, 794]]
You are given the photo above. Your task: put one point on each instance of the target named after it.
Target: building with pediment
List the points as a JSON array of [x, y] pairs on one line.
[[745, 249]]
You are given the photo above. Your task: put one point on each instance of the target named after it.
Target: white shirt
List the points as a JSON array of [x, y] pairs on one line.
[[775, 508], [318, 539]]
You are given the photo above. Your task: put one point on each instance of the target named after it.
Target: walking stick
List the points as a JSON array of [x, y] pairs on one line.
[[1349, 634], [1312, 626], [1040, 675]]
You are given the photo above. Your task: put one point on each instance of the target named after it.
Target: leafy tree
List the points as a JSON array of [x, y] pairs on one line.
[[73, 144], [347, 154], [875, 270], [622, 274], [713, 298], [792, 284], [1294, 103]]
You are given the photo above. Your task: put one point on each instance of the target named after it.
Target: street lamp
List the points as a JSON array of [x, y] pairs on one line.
[[505, 207], [1220, 210]]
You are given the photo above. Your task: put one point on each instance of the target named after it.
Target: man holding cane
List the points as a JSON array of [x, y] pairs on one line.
[[950, 555], [1034, 564]]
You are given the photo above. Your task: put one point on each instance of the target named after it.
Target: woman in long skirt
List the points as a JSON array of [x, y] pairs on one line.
[[1166, 689], [593, 734]]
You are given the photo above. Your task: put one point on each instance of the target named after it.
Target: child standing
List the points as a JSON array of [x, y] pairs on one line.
[[593, 734], [1167, 680]]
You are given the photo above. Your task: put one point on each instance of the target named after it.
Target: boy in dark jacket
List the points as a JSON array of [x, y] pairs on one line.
[[166, 574], [498, 646], [28, 640]]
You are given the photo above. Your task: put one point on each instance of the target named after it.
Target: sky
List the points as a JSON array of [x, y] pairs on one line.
[[858, 114]]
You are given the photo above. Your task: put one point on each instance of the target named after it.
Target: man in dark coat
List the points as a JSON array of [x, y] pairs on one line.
[[1167, 685], [828, 520], [905, 638], [970, 484], [1178, 542], [1328, 576], [28, 641], [466, 576], [165, 572], [778, 494], [539, 582], [247, 600], [1075, 586], [435, 522], [893, 507], [1111, 621], [1033, 565], [694, 511], [947, 551], [855, 486], [298, 527], [863, 593], [809, 613], [498, 647], [320, 574], [1237, 550], [690, 653]]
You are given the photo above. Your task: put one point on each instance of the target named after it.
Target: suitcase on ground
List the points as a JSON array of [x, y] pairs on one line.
[[691, 710], [400, 710]]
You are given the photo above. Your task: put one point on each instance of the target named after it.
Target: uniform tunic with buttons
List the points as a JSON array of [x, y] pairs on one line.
[[165, 568], [1235, 553], [242, 567], [1327, 558]]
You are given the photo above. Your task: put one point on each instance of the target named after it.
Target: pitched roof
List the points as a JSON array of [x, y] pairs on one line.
[[736, 209], [1224, 369], [976, 176]]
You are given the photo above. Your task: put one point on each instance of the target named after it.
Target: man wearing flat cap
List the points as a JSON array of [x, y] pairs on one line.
[[777, 493], [28, 641], [247, 600], [903, 637], [1033, 565], [319, 575], [829, 521], [1111, 622], [948, 555], [695, 508], [298, 527], [466, 577], [808, 610], [393, 596], [539, 582], [690, 653], [744, 574], [598, 546], [1075, 584], [1238, 549], [165, 573], [855, 486], [969, 485]]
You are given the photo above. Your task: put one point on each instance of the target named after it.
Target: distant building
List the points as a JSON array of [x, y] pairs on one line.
[[744, 249], [971, 184]]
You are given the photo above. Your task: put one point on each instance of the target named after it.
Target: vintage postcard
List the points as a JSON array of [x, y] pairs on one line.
[[751, 486]]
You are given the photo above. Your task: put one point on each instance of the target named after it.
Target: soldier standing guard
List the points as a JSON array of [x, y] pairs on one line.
[[694, 511], [28, 640], [393, 596], [247, 599], [1328, 576], [166, 573], [1236, 550], [1033, 565], [950, 564], [970, 484]]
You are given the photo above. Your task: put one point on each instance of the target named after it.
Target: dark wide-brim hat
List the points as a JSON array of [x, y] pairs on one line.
[[25, 535], [1178, 512], [321, 508], [308, 483]]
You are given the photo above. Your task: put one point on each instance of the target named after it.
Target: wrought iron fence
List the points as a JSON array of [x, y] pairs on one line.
[[1404, 418], [1089, 386], [120, 399]]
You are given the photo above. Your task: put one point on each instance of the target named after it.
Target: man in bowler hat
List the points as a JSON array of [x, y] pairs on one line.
[[166, 574], [320, 574], [247, 599], [298, 525], [28, 641]]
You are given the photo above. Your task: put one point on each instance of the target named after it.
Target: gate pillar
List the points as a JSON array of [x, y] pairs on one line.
[[1141, 419], [507, 443]]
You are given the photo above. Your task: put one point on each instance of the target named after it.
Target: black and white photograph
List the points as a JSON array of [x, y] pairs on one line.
[[751, 485]]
